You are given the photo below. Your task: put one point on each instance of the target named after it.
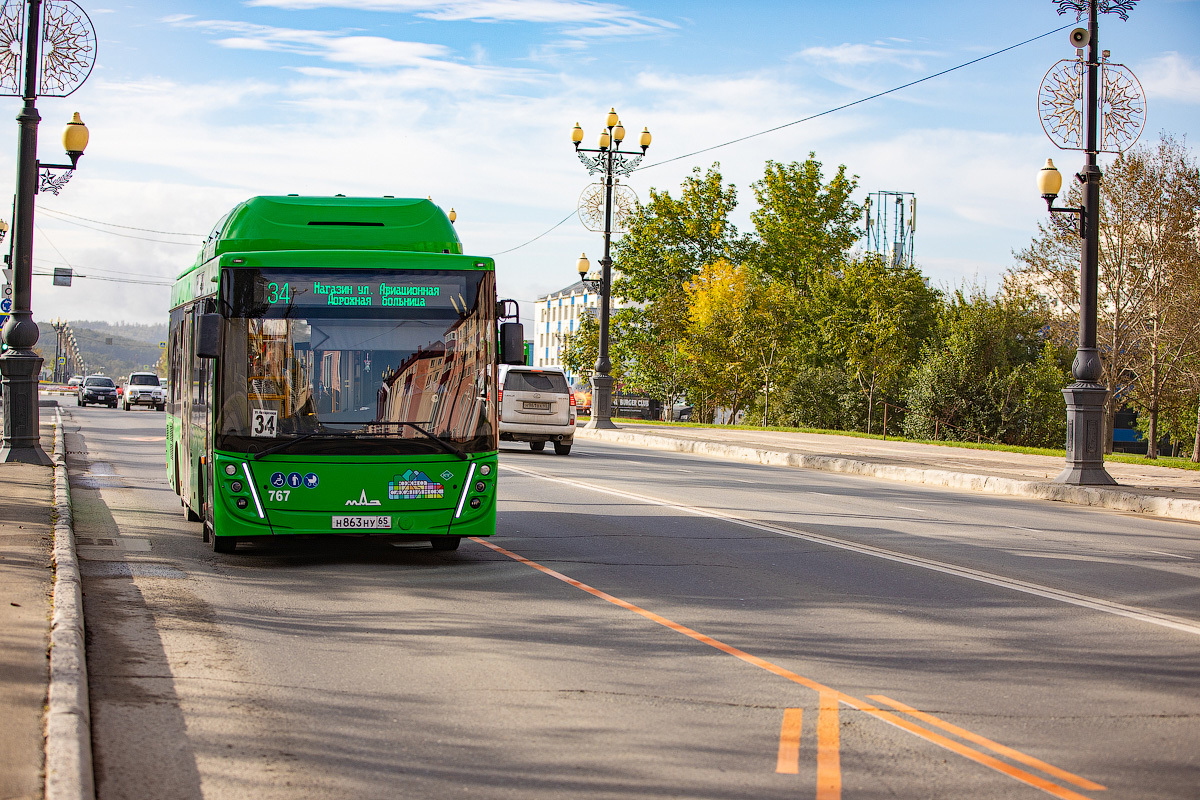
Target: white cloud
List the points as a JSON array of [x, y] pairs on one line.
[[858, 55], [1172, 77], [590, 19], [362, 51]]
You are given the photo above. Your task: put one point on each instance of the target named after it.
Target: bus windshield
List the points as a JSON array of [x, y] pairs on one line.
[[357, 361]]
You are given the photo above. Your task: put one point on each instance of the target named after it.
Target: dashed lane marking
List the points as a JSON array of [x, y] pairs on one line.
[[788, 762]]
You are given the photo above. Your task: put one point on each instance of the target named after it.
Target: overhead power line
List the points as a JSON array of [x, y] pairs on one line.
[[114, 280], [534, 239], [42, 262], [128, 235], [807, 119], [860, 101], [56, 212]]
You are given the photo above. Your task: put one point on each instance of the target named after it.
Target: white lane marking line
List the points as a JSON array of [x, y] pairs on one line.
[[906, 508], [1026, 587], [1172, 555], [742, 480]]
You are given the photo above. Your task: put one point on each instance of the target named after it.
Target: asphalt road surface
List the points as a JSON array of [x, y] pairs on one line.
[[645, 624]]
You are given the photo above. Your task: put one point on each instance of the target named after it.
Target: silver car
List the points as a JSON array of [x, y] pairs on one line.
[[536, 406]]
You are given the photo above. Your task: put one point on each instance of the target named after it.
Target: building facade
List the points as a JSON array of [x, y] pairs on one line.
[[558, 316]]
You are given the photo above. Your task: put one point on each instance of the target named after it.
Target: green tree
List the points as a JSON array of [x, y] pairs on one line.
[[872, 318], [669, 240], [1166, 190], [990, 373], [803, 225], [1149, 203], [651, 352], [740, 331], [824, 397], [668, 243], [579, 349]]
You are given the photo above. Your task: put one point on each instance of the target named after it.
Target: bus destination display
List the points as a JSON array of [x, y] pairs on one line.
[[360, 291]]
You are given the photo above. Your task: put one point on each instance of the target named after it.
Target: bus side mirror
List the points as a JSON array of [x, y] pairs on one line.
[[512, 343], [208, 335]]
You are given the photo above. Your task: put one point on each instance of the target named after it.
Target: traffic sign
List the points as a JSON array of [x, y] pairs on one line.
[[5, 305], [62, 361], [3, 319], [7, 274], [162, 345], [7, 290]]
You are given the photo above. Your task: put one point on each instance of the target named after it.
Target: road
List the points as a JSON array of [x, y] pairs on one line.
[[644, 625]]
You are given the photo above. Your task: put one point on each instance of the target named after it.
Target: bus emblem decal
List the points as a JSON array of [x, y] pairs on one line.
[[414, 485], [363, 501]]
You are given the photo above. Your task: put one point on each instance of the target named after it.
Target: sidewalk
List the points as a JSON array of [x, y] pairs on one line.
[[26, 580], [1152, 490]]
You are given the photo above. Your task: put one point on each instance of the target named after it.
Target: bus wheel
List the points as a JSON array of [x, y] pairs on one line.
[[444, 544]]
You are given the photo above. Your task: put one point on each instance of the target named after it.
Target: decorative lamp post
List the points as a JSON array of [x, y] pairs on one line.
[[55, 60], [608, 160], [1088, 104]]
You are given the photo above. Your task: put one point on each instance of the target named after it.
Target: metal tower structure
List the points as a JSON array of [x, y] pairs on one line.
[[891, 223]]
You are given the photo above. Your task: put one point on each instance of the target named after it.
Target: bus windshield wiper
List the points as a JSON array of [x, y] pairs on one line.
[[442, 444], [288, 443]]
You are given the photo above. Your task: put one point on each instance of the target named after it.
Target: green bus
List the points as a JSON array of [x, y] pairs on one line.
[[332, 370]]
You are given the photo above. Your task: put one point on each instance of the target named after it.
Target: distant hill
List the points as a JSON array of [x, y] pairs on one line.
[[111, 348], [152, 334]]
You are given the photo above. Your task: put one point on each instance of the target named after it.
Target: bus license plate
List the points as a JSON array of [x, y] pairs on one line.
[[361, 523]]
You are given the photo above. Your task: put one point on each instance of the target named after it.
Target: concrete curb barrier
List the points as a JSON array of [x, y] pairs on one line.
[[1099, 497], [68, 716]]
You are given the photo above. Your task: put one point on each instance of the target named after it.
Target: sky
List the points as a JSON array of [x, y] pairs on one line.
[[196, 105]]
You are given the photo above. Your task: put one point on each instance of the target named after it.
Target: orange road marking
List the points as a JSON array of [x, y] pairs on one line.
[[1015, 755], [859, 705], [789, 742], [829, 762]]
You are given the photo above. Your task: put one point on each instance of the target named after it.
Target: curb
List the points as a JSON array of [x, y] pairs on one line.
[[1112, 499], [68, 718]]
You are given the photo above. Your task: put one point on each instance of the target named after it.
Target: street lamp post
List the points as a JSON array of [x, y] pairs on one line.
[[1106, 99], [20, 365], [609, 161]]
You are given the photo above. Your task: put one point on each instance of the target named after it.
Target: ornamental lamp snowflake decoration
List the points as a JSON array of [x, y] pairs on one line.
[[1119, 7], [68, 48], [591, 207], [1061, 101]]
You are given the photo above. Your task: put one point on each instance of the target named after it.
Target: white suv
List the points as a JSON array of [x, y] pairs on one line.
[[536, 406], [144, 389]]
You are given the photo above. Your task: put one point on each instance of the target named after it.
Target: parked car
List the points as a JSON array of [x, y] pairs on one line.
[[536, 406], [144, 389], [98, 389]]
